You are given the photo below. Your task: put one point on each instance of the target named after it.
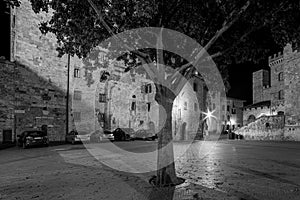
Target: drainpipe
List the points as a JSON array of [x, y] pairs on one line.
[[68, 92]]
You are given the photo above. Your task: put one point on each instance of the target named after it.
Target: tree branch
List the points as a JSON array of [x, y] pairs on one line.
[[225, 27], [119, 41]]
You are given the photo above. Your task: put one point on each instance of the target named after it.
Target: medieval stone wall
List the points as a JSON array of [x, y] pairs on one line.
[[31, 102], [265, 128], [256, 112], [292, 85], [7, 98]]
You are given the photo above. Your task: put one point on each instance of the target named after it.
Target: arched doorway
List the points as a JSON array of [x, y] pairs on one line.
[[183, 131], [251, 118]]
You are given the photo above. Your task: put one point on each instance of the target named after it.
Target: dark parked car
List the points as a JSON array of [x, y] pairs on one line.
[[75, 137], [123, 134], [145, 134], [32, 138], [101, 136]]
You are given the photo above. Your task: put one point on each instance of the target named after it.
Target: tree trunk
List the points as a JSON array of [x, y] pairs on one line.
[[166, 174]]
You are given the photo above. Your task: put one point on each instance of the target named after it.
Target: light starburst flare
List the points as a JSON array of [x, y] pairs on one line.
[[209, 114]]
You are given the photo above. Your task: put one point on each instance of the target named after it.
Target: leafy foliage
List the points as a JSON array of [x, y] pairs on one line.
[[244, 35]]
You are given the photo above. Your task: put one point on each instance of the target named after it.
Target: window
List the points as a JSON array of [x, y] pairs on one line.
[[102, 98], [280, 76], [233, 111], [101, 117], [148, 106], [149, 88], [185, 105], [280, 94], [228, 108], [146, 88], [77, 95], [77, 116], [195, 86], [133, 106], [196, 107], [77, 73]]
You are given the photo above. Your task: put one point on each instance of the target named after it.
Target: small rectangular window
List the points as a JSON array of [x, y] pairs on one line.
[[101, 117], [77, 95], [280, 95], [195, 86], [148, 106], [185, 105], [77, 116], [280, 76], [233, 111], [77, 73], [133, 106], [102, 98], [149, 88]]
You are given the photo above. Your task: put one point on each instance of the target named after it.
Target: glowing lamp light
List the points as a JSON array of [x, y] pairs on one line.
[[209, 114], [232, 121]]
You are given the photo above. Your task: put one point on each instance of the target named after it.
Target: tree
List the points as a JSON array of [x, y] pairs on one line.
[[229, 30]]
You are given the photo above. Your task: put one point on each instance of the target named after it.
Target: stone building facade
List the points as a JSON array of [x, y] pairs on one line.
[[278, 94], [35, 77], [269, 88], [34, 81], [187, 110]]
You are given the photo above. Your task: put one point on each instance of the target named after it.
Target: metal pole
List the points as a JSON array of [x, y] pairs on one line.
[[67, 98]]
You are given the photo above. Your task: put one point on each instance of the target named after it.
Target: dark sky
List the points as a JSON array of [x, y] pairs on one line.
[[240, 75], [240, 79]]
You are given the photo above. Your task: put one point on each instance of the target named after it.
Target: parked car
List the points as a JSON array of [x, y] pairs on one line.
[[101, 136], [32, 138], [75, 137], [123, 134], [145, 134]]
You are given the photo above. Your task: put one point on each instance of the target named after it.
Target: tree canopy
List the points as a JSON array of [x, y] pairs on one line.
[[230, 30]]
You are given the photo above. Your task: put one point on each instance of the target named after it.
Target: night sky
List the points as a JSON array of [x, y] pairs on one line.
[[240, 75], [240, 79]]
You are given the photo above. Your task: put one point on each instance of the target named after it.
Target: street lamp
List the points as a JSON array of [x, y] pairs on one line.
[[208, 115]]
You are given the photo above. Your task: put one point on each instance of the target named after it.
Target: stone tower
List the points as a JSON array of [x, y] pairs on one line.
[[260, 80]]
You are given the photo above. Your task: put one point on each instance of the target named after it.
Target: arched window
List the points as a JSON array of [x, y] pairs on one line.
[[251, 118], [280, 113], [195, 86], [280, 94], [280, 76]]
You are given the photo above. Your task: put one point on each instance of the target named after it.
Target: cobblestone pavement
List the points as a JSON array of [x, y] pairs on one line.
[[213, 170]]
